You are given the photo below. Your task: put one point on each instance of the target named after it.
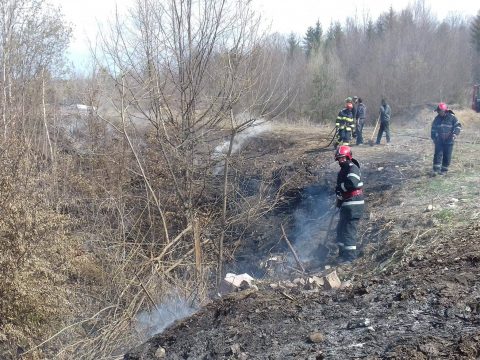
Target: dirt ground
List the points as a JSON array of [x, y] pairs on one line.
[[414, 292]]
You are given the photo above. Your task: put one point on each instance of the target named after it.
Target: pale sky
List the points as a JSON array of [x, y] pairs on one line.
[[285, 16]]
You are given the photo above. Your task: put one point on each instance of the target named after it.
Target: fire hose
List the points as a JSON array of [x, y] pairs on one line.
[[333, 137]]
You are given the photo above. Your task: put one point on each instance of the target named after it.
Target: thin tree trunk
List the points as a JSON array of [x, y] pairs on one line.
[[224, 210], [44, 110]]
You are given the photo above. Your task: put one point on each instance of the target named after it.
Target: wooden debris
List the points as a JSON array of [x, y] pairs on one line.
[[332, 281]]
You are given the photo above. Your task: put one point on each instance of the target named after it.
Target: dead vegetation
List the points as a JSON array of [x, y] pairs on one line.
[[416, 282]]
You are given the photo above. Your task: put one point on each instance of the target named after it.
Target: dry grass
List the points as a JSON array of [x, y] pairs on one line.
[[405, 229]]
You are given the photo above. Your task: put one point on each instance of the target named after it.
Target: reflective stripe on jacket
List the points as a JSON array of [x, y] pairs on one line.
[[349, 182], [345, 120]]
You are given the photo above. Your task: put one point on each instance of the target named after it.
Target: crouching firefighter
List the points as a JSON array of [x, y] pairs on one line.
[[350, 200]]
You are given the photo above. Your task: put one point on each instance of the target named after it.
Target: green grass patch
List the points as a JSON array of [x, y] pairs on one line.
[[445, 215]]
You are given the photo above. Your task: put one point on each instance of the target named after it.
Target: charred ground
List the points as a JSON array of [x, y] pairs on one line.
[[417, 280]]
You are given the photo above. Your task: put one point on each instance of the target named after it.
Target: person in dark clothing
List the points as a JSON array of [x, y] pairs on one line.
[[360, 116], [355, 106], [385, 114], [445, 129], [344, 124], [350, 200]]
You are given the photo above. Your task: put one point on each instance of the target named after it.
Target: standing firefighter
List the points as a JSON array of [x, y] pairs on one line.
[[351, 202], [445, 129], [344, 124]]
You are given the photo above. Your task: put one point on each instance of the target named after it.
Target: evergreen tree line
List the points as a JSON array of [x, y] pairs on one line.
[[409, 57]]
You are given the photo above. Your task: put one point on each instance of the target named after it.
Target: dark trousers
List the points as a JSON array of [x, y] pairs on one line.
[[442, 156], [343, 137], [384, 127], [359, 131], [347, 231]]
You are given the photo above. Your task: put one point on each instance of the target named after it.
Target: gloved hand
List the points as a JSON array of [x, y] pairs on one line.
[[454, 137], [338, 193], [339, 203]]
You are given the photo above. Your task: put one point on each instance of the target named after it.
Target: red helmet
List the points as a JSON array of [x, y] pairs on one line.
[[349, 105], [343, 151], [442, 107]]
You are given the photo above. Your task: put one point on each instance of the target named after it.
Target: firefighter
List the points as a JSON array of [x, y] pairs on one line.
[[344, 124], [445, 129], [350, 200]]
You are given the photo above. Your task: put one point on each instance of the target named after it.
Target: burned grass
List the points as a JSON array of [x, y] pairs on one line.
[[413, 294]]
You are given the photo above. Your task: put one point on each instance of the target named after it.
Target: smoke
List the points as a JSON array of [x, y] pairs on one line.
[[311, 221], [173, 308], [258, 126]]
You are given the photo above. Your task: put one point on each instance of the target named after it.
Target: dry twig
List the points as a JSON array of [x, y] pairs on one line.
[[292, 249]]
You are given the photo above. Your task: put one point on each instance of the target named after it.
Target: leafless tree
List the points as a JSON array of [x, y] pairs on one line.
[[187, 77]]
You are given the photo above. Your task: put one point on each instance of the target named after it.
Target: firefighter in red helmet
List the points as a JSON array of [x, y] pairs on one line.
[[445, 129], [344, 124], [350, 200]]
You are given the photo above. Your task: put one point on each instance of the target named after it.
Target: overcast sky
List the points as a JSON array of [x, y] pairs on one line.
[[284, 16]]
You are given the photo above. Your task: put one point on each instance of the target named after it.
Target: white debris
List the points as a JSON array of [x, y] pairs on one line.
[[380, 168], [289, 284], [82, 107], [299, 281], [452, 202], [237, 280], [332, 281], [318, 281], [316, 337], [160, 353], [346, 284], [359, 324]]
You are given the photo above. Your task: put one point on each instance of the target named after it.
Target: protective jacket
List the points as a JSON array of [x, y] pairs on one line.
[[444, 127], [345, 127], [349, 188], [351, 202], [344, 120]]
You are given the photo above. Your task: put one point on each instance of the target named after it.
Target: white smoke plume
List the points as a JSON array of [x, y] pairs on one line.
[[172, 309], [259, 126]]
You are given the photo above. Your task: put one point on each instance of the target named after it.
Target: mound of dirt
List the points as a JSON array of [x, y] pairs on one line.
[[414, 293]]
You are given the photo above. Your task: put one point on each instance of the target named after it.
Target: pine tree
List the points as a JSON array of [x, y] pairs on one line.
[[313, 39], [335, 34], [293, 44], [475, 32]]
